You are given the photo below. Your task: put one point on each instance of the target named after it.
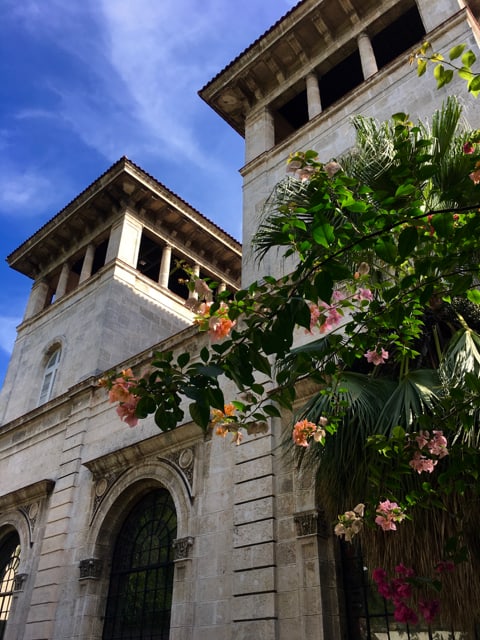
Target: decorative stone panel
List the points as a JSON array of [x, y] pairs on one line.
[[19, 581], [310, 523], [182, 547], [90, 568]]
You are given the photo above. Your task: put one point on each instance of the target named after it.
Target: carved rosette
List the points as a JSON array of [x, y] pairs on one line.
[[181, 547], [90, 568], [311, 523], [185, 461]]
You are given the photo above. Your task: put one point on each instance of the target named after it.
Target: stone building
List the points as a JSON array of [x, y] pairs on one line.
[[110, 532]]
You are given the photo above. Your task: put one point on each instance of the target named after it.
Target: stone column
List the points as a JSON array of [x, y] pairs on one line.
[[124, 241], [313, 95], [87, 263], [367, 56], [259, 133], [37, 299], [62, 281], [165, 265], [196, 273]]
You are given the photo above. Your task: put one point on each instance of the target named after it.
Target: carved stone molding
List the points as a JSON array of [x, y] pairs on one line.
[[185, 461], [90, 568], [181, 547], [311, 523], [27, 495], [19, 581], [101, 488]]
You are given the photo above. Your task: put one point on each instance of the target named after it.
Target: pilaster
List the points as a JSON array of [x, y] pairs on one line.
[[259, 133], [124, 241]]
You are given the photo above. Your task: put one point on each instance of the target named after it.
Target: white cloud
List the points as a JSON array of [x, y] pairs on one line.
[[27, 191], [8, 333]]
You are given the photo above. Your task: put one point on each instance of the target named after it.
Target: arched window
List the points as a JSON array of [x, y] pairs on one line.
[[9, 559], [141, 581], [50, 373]]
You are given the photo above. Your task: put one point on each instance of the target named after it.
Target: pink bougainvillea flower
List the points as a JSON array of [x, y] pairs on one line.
[[401, 590], [438, 445], [337, 296], [350, 523], [388, 513], [468, 148], [402, 570], [422, 438], [126, 411], [203, 290], [421, 463], [475, 175], [429, 610], [445, 566], [403, 613], [314, 316], [363, 294], [379, 575], [376, 357], [331, 168], [333, 319]]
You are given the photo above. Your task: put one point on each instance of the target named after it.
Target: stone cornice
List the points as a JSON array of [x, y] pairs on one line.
[[160, 445], [24, 495]]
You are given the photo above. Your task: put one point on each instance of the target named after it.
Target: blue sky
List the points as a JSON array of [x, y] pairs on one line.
[[83, 82]]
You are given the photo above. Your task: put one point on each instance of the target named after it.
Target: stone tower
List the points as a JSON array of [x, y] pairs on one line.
[[107, 274], [249, 552]]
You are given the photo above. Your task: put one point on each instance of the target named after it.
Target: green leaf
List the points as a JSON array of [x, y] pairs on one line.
[[261, 363], [337, 271], [474, 296], [405, 190], [324, 286], [272, 411], [357, 207], [215, 398], [443, 224], [205, 354], [183, 359], [200, 414], [468, 58], [407, 242], [438, 71], [386, 250], [259, 389], [466, 73], [421, 66], [146, 405], [300, 312], [474, 84], [456, 51], [323, 234]]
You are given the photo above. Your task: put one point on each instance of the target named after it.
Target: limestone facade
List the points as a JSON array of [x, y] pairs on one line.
[[253, 555]]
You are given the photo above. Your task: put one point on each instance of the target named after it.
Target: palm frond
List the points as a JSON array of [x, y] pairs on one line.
[[416, 394]]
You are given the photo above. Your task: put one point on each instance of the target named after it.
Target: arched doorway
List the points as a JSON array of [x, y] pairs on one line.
[[141, 580], [9, 561]]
